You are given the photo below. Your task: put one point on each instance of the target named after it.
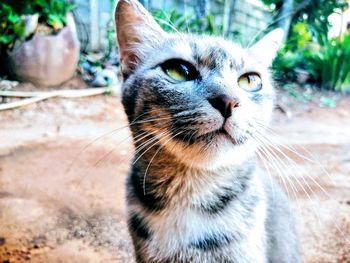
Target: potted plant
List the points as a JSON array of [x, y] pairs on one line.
[[38, 40]]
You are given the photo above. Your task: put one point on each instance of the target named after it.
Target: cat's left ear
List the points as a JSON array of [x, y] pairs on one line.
[[266, 48], [135, 27]]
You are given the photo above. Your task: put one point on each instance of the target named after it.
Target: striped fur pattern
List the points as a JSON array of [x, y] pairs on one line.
[[194, 194]]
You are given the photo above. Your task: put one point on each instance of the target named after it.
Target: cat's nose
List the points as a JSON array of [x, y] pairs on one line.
[[224, 104]]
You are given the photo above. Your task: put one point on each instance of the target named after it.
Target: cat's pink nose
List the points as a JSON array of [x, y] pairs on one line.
[[224, 104]]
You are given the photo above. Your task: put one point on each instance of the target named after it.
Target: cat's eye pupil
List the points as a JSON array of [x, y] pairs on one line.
[[249, 77], [184, 69]]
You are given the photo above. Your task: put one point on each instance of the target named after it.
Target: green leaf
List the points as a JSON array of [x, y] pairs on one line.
[[55, 21], [6, 39], [19, 30], [13, 18]]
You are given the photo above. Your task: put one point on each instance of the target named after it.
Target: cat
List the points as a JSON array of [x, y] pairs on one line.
[[196, 106]]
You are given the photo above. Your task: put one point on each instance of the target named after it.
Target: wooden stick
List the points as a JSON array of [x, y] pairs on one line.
[[61, 93], [20, 103], [34, 96]]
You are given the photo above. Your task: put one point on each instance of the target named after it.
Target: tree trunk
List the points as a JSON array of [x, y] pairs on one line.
[[228, 16], [201, 8], [285, 17]]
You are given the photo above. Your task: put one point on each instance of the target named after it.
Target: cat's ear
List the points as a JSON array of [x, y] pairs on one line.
[[266, 48], [134, 25]]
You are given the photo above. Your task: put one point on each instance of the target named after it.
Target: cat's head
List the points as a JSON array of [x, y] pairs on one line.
[[205, 99]]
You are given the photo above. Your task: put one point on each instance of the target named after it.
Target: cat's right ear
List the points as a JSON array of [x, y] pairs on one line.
[[266, 48], [135, 27]]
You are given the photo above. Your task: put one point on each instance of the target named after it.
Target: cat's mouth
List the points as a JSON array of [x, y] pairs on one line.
[[222, 132], [217, 134]]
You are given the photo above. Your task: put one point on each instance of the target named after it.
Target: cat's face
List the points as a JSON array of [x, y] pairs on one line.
[[205, 99]]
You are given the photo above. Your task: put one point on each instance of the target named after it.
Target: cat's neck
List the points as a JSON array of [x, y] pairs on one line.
[[158, 159], [159, 178]]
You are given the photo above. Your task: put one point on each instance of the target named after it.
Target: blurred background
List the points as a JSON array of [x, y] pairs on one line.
[[316, 48], [65, 147]]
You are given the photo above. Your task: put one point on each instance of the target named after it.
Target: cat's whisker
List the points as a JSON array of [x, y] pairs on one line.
[[314, 205], [136, 138], [106, 155], [191, 136], [157, 151], [310, 159], [273, 162], [169, 24], [112, 132], [263, 158], [266, 142], [278, 149], [75, 158], [150, 120], [276, 161], [103, 158], [140, 147], [282, 174], [153, 140]]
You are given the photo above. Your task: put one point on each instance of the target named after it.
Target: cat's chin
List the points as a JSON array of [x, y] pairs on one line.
[[218, 137], [223, 150], [222, 134]]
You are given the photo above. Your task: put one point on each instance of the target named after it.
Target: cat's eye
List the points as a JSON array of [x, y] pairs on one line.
[[250, 82], [179, 70]]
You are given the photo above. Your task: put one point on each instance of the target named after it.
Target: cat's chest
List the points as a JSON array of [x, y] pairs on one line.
[[207, 212], [236, 229]]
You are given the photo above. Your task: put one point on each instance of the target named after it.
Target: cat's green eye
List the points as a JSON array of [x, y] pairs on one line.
[[179, 74], [250, 82], [179, 70]]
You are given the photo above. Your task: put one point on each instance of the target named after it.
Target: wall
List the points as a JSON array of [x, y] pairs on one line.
[[92, 17], [250, 19]]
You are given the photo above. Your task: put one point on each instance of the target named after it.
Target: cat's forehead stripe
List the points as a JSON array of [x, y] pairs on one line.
[[214, 56]]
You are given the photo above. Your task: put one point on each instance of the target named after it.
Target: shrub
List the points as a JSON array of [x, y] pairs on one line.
[[172, 21], [51, 12], [295, 55], [332, 63], [314, 13], [327, 64], [11, 27]]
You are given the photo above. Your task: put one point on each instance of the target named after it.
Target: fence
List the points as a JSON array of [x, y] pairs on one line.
[[245, 20]]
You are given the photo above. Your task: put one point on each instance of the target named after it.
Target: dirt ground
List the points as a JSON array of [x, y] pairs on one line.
[[63, 164]]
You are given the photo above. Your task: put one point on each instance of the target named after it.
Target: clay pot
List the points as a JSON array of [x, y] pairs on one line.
[[46, 60]]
